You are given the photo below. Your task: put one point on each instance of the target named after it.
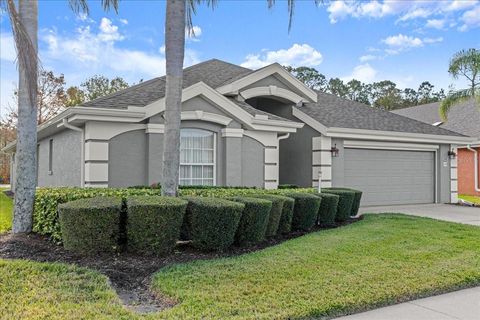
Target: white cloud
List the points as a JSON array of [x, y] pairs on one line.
[[297, 55], [194, 34], [85, 53], [363, 72], [367, 57], [401, 41], [436, 23], [7, 47], [432, 40], [470, 19], [404, 9], [124, 21]]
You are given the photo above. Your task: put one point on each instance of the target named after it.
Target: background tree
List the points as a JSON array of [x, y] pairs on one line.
[[309, 76], [358, 91], [337, 87], [466, 64], [386, 95], [99, 86]]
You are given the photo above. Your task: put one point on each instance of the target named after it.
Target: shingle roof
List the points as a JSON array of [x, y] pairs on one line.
[[463, 118], [332, 111], [213, 72]]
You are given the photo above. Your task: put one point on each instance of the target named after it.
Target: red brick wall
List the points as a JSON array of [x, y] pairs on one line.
[[466, 182]]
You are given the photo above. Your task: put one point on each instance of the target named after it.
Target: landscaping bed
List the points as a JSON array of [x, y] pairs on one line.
[[381, 260]]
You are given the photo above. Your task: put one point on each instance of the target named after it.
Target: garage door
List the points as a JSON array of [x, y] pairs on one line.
[[390, 176]]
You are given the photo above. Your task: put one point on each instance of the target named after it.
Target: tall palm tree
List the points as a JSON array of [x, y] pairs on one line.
[[465, 63], [178, 16], [24, 23]]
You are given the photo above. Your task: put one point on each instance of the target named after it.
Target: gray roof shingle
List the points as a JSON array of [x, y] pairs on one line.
[[213, 72], [332, 111], [463, 118]]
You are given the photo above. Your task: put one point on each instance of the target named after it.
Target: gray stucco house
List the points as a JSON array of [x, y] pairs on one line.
[[249, 127]]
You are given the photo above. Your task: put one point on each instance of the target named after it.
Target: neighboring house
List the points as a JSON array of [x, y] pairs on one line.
[[465, 119], [252, 128]]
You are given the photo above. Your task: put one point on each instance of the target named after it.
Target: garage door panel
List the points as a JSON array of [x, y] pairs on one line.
[[391, 176]]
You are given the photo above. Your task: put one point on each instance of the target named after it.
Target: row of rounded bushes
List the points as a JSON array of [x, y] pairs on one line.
[[153, 224], [47, 200]]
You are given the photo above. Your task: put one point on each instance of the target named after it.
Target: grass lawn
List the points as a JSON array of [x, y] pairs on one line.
[[472, 199], [381, 260], [6, 212]]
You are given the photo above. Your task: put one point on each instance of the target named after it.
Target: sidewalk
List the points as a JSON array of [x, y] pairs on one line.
[[463, 304]]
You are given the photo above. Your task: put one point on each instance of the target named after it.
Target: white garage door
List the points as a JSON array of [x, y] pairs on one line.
[[391, 176]]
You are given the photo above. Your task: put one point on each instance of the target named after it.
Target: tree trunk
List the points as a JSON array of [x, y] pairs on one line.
[[174, 52], [26, 171]]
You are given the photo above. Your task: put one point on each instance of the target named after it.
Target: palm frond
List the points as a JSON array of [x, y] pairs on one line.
[[27, 54], [81, 6], [455, 98], [291, 9], [192, 10]]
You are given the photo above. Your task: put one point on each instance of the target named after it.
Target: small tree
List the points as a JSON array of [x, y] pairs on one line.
[[466, 64]]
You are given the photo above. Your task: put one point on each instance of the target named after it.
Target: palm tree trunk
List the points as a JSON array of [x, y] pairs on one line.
[[26, 171], [174, 53]]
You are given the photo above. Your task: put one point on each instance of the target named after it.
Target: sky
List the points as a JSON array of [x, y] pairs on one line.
[[400, 40]]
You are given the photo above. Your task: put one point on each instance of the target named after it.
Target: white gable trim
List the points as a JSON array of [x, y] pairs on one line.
[[309, 121], [262, 73], [205, 116], [271, 91]]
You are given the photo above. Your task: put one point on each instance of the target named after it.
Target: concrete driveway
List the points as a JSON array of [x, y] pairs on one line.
[[447, 212]]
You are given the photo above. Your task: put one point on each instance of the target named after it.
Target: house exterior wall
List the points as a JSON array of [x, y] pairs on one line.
[[66, 160], [466, 171]]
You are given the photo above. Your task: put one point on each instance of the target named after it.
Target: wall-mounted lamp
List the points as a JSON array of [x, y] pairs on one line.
[[334, 150], [451, 154]]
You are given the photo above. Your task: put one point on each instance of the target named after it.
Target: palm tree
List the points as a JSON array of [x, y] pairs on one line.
[[178, 16], [24, 23], [465, 63]]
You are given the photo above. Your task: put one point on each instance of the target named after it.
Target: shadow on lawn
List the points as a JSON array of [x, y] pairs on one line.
[[129, 274]]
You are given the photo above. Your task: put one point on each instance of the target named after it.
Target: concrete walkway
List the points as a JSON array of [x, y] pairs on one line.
[[446, 212], [463, 304]]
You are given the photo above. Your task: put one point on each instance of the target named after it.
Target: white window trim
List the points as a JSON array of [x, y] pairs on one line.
[[214, 164]]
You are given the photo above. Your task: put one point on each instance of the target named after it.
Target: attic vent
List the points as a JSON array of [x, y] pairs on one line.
[[436, 124]]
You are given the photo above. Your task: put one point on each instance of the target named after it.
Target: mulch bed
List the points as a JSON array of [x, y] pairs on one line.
[[130, 274]]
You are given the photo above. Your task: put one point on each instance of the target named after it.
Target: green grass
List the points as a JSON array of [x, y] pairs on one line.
[[6, 212], [472, 199], [381, 260]]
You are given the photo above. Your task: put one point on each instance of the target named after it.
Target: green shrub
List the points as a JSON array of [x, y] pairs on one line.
[[211, 223], [45, 214], [285, 224], [254, 220], [305, 210], [356, 200], [328, 209], [287, 186], [275, 212], [91, 225], [153, 223], [345, 203]]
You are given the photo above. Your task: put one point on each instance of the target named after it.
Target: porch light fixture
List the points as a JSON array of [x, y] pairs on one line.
[[334, 150], [451, 154]]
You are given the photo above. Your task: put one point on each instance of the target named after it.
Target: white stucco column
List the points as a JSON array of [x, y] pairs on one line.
[[322, 161], [454, 176]]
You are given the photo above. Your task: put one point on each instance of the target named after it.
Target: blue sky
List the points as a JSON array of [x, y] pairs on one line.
[[403, 41]]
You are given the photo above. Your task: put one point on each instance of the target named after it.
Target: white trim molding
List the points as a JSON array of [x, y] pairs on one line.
[[232, 133], [273, 69], [155, 128], [271, 91], [362, 144], [205, 116]]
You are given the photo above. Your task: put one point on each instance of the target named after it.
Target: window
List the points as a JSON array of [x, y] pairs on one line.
[[197, 157], [50, 156]]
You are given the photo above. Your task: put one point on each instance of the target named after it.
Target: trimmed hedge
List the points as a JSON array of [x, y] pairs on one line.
[[153, 223], [328, 209], [254, 221], [45, 214], [287, 186], [356, 201], [285, 224], [345, 203], [305, 210], [211, 223], [275, 212], [91, 225]]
